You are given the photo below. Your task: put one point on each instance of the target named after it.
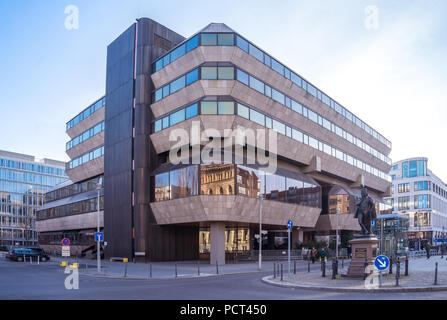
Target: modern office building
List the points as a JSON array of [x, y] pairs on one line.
[[23, 183], [158, 84], [71, 208], [420, 194]]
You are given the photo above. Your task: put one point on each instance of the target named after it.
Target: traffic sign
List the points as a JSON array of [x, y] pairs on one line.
[[99, 236], [65, 251], [440, 240], [289, 224], [373, 223], [382, 263], [65, 242]]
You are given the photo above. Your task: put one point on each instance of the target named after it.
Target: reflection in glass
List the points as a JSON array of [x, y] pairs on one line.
[[236, 239], [217, 179]]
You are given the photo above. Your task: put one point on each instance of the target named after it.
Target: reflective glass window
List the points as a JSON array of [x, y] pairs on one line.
[[177, 117], [157, 126], [158, 94], [268, 91], [255, 52], [192, 111], [241, 43], [297, 135], [312, 116], [165, 122], [208, 107], [257, 117], [166, 60], [177, 84], [242, 111], [277, 96], [166, 91], [209, 39], [268, 122], [209, 73], [217, 179], [225, 39], [177, 53], [280, 127], [192, 76], [162, 191], [296, 79], [256, 84], [267, 60], [242, 76], [158, 64], [275, 187], [226, 107], [313, 143], [297, 107], [278, 67], [226, 73], [192, 43]]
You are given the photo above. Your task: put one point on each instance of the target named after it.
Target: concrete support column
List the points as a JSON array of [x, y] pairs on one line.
[[217, 243], [297, 235]]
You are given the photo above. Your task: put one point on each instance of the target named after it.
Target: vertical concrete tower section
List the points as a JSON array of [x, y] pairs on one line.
[[129, 158]]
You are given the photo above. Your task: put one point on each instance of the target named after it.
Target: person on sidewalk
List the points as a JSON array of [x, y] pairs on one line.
[[428, 248], [313, 253], [323, 254]]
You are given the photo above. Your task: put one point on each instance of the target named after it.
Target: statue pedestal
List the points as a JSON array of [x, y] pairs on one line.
[[362, 248]]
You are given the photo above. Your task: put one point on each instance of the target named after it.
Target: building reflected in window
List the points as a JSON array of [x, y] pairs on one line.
[[236, 239], [217, 179]]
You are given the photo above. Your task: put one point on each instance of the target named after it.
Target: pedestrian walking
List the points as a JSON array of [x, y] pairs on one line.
[[313, 253], [428, 248], [323, 254]]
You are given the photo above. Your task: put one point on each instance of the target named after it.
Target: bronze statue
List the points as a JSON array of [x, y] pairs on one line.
[[366, 212]]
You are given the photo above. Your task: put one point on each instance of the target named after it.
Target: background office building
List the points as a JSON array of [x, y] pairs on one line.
[[420, 194], [71, 208], [23, 183], [158, 81]]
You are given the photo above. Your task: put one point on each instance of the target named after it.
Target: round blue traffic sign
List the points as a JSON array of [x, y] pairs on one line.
[[65, 242], [289, 224], [382, 263]]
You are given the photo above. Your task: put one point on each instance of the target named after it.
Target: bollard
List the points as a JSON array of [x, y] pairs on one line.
[[150, 270], [125, 270], [86, 268], [436, 274], [334, 271], [342, 262], [176, 270], [406, 265], [294, 266], [323, 268], [217, 268], [397, 272], [364, 268], [30, 259], [274, 270], [308, 266], [391, 266], [38, 259], [277, 269], [281, 272], [198, 267]]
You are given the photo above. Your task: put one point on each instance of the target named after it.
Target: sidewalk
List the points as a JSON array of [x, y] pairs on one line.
[[421, 278], [164, 270]]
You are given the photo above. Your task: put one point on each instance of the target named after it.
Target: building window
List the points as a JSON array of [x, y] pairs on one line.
[[403, 187]]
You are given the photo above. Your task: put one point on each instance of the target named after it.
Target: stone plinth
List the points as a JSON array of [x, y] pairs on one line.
[[362, 248]]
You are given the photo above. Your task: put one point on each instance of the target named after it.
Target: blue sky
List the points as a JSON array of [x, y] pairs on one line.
[[393, 77]]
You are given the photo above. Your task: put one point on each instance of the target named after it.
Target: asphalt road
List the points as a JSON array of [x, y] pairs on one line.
[[46, 281]]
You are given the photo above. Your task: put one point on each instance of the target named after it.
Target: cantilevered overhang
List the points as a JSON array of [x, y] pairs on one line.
[[232, 208]]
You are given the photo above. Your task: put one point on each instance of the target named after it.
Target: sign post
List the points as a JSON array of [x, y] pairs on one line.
[[289, 227], [381, 263], [65, 247]]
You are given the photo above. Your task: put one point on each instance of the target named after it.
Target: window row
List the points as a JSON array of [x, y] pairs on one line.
[[87, 134], [421, 201], [439, 190], [32, 178], [230, 39], [74, 188], [231, 107], [86, 113], [415, 168], [86, 157], [281, 98], [79, 207], [26, 166], [17, 187], [220, 179]]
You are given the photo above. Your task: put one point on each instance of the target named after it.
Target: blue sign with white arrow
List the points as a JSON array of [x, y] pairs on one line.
[[99, 236], [382, 263], [289, 224], [373, 223]]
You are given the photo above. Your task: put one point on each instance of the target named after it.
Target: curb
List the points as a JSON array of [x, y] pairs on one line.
[[167, 278], [267, 280]]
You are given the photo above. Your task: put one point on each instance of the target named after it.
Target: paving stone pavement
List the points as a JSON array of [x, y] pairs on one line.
[[421, 274]]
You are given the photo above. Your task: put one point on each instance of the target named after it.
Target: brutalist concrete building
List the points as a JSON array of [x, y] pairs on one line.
[[158, 84]]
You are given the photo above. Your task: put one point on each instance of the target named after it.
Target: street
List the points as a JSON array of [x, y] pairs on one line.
[[46, 281]]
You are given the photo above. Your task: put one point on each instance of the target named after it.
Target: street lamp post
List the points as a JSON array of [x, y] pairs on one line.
[[98, 254], [260, 233], [337, 212]]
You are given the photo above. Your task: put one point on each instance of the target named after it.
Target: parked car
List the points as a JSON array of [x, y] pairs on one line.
[[4, 248], [19, 253]]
